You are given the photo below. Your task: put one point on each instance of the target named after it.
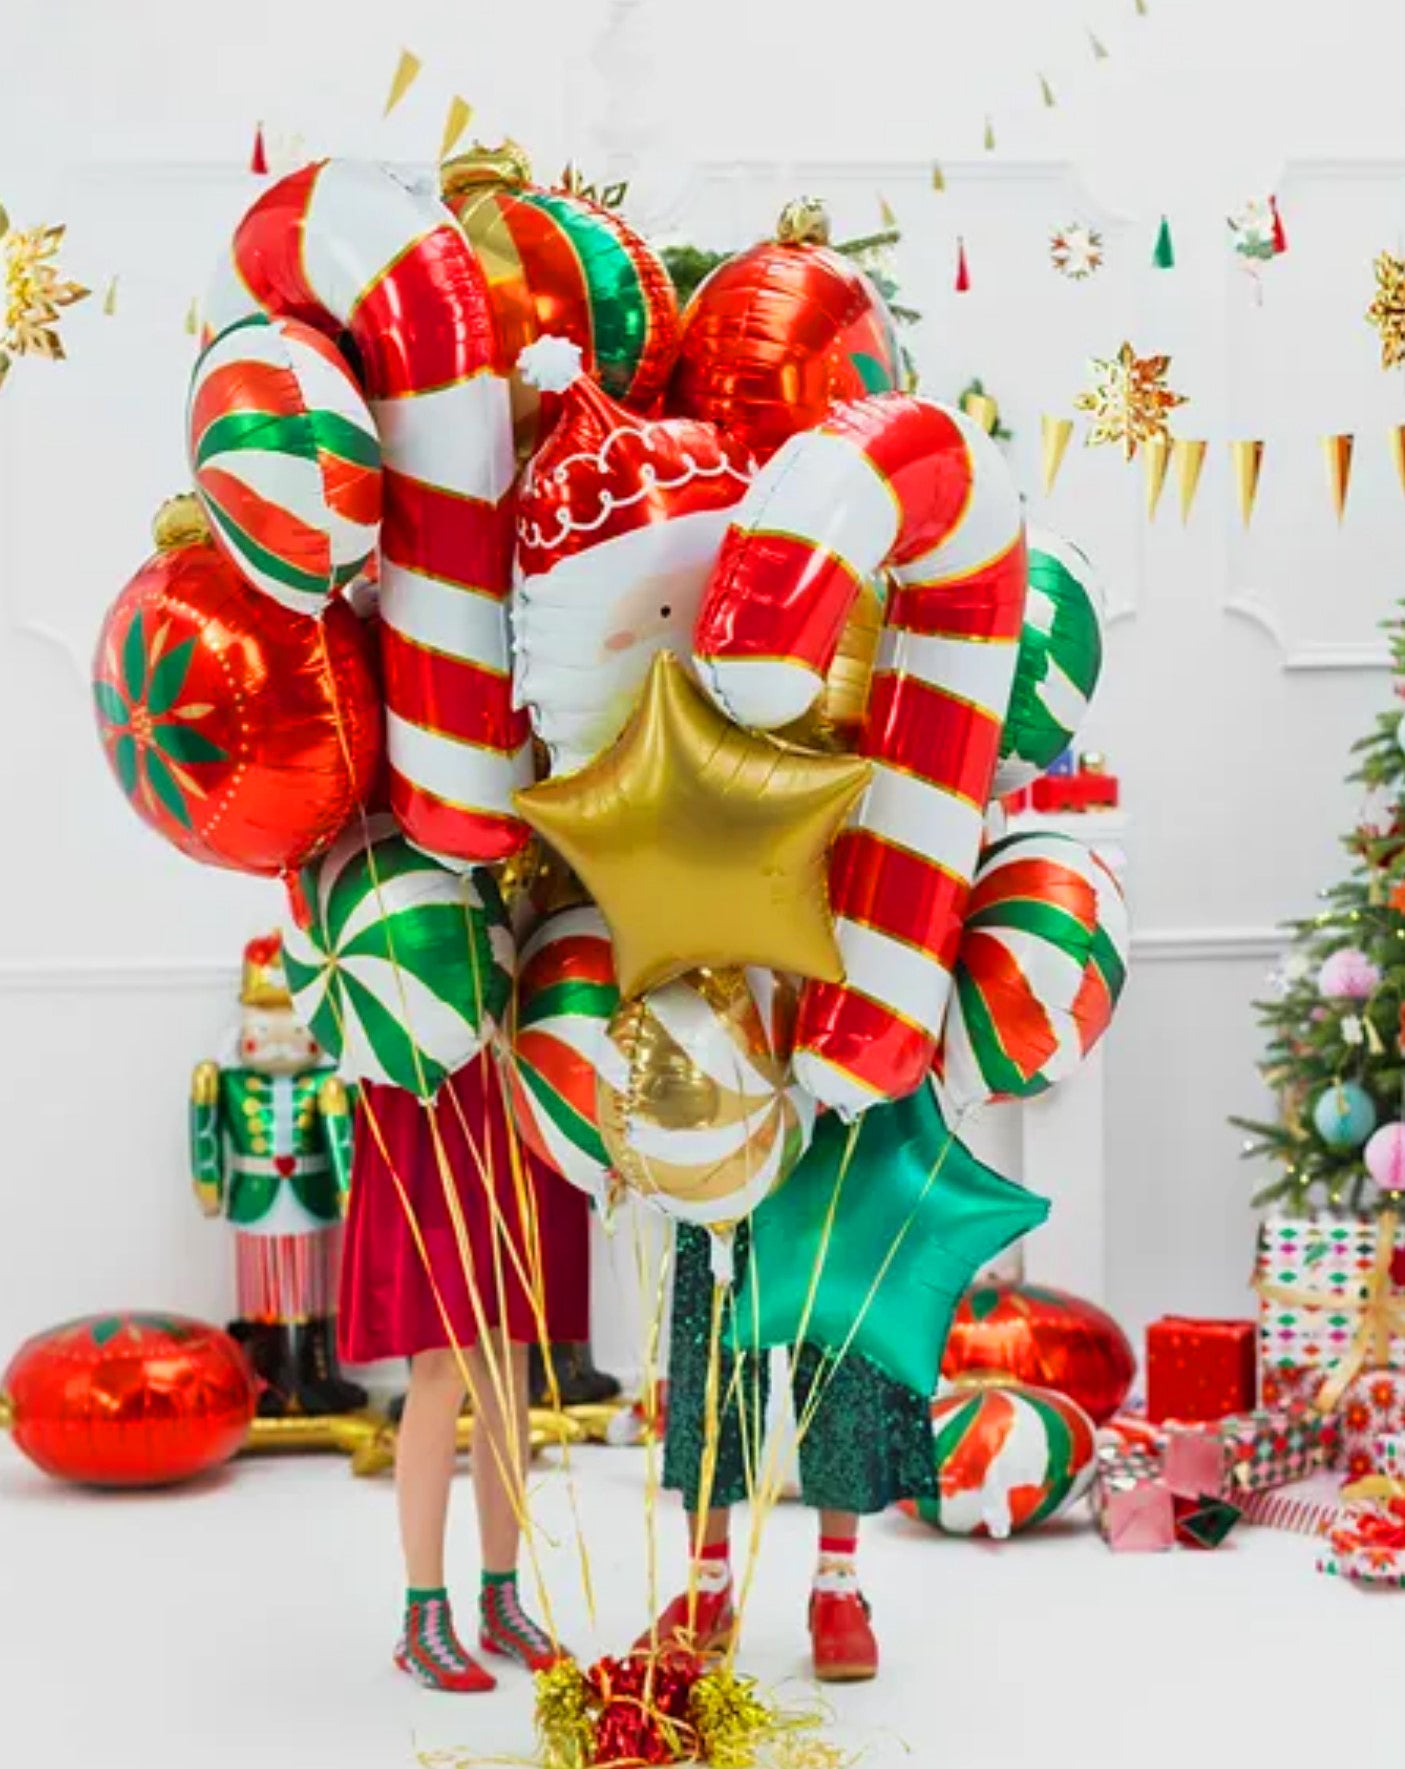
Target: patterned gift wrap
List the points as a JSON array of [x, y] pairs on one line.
[[1388, 1455], [1203, 1522], [1269, 1448], [1371, 1410], [1364, 1566], [1132, 1508], [1199, 1369], [1310, 1507], [1330, 1302], [1368, 1545]]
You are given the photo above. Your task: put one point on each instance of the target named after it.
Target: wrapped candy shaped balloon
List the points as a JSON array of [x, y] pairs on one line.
[[900, 484], [347, 248], [619, 519], [244, 734], [1039, 970], [779, 333], [558, 262]]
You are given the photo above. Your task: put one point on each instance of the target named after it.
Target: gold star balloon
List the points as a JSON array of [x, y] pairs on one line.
[[35, 293], [1129, 399], [703, 843], [1387, 312]]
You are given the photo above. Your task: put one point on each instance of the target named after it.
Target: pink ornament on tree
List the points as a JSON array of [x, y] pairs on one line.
[[1348, 975], [1385, 1157]]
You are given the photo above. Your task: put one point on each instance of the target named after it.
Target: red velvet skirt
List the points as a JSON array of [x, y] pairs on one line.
[[388, 1303]]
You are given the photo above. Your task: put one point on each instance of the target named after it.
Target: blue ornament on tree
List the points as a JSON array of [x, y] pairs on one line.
[[1345, 1115]]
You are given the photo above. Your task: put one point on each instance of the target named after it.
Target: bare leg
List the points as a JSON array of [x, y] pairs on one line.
[[424, 1464], [714, 1529], [840, 1526], [500, 1456]]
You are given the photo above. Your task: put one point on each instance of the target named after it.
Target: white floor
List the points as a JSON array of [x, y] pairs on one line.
[[247, 1624]]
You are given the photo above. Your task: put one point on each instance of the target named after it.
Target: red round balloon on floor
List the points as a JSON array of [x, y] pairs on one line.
[[243, 732], [1045, 1337], [129, 1399]]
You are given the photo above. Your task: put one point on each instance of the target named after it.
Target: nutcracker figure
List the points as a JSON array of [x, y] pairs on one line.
[[270, 1150]]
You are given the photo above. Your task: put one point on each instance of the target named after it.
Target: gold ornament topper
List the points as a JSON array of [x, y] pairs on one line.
[[506, 164], [803, 222], [1387, 312], [35, 293], [1129, 399], [607, 196]]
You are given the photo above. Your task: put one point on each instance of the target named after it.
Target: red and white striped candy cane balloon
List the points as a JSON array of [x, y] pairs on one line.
[[346, 247], [901, 484]]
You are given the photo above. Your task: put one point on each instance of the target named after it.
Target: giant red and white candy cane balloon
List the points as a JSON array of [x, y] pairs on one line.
[[900, 484], [347, 248]]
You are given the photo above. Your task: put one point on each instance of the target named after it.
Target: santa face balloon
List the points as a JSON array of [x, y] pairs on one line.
[[619, 523]]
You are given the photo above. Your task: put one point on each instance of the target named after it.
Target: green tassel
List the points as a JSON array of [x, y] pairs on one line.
[[1164, 257]]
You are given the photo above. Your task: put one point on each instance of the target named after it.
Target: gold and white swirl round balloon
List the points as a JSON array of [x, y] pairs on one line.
[[697, 1107]]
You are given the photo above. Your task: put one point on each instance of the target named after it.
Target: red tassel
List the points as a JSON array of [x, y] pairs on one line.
[[1280, 238], [258, 160], [963, 274]]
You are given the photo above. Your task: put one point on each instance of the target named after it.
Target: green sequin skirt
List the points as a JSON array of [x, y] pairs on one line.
[[868, 1445]]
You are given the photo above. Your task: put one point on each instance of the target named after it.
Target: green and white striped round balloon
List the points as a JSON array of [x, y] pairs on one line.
[[1060, 659], [286, 458], [404, 966], [1040, 967]]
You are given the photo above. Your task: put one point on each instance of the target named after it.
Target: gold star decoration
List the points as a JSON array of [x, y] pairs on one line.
[[35, 293], [703, 843], [1387, 312], [1129, 399]]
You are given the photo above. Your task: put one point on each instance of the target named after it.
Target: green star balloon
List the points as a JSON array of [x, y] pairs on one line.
[[915, 1217]]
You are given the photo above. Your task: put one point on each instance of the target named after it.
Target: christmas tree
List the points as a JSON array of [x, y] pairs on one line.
[[1336, 1027]]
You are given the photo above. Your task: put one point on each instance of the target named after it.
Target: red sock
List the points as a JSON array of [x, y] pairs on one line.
[[714, 1564], [836, 1569]]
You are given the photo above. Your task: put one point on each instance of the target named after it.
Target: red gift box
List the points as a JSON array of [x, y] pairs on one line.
[[1200, 1370]]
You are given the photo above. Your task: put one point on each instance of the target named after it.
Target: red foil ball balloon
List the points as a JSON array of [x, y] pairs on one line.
[[778, 333], [244, 733], [129, 1399], [1045, 1337]]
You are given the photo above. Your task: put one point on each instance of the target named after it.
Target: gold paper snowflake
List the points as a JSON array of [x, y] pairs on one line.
[[1387, 312], [1129, 399], [35, 293]]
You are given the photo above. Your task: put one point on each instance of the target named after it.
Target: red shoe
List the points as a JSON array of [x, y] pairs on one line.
[[465, 1676], [845, 1649], [704, 1625]]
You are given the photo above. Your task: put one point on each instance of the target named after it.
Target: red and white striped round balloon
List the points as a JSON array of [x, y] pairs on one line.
[[286, 459], [903, 485], [348, 248]]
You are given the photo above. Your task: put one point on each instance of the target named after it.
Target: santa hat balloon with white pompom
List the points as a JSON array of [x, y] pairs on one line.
[[619, 521]]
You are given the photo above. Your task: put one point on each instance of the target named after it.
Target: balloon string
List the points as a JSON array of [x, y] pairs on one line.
[[650, 1379]]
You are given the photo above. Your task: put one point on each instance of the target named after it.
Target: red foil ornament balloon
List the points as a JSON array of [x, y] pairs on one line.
[[129, 1399], [779, 333], [244, 733], [1044, 1337]]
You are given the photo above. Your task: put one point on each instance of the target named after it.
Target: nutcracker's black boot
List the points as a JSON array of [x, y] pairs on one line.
[[268, 1345], [578, 1381], [321, 1387]]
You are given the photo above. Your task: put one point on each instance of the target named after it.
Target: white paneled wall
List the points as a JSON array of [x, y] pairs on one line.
[[1241, 665]]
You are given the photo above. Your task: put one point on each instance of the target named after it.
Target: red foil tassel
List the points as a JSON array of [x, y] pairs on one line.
[[963, 274], [258, 160], [1280, 238]]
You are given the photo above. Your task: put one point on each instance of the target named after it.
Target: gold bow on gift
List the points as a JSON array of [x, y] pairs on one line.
[[1381, 1315]]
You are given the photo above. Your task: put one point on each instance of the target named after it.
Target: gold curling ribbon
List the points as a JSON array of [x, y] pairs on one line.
[[1248, 458], [1156, 458], [407, 71], [459, 117], [1053, 437], [1338, 451], [1397, 452], [1189, 456], [1380, 1315]]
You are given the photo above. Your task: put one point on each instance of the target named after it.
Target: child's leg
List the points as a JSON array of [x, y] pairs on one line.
[[429, 1649], [501, 1450]]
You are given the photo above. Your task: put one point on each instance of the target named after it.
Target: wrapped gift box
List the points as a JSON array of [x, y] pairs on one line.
[[1371, 1410], [1388, 1455], [1331, 1303], [1246, 1453], [1134, 1511], [1203, 1522], [1199, 1369], [1368, 1545], [1310, 1507]]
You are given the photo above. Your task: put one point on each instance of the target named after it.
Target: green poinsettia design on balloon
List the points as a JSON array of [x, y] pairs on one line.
[[149, 723], [103, 1329]]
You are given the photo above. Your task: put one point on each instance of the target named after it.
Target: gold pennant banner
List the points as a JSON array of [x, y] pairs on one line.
[[459, 117], [1338, 451], [1054, 436], [407, 71], [1156, 458], [1189, 456], [1248, 459]]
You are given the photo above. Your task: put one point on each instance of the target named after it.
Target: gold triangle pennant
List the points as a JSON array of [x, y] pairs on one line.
[[1397, 452], [109, 297], [938, 177], [1098, 47], [407, 71], [989, 135], [1248, 460], [982, 410], [1189, 456], [1046, 92], [1156, 458], [459, 117], [1338, 450], [885, 211], [192, 318], [1054, 433]]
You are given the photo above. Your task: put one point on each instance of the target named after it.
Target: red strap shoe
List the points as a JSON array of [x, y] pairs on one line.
[[705, 1626], [844, 1645]]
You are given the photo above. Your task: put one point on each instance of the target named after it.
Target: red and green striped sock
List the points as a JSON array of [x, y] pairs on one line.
[[430, 1650], [507, 1629]]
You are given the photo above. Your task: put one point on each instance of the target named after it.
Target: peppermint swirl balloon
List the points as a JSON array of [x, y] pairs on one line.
[[404, 965], [1060, 660], [286, 458], [1040, 968], [1007, 1458], [566, 997]]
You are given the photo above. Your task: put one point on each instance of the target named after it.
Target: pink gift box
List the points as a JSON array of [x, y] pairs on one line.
[[1139, 1519], [1193, 1464]]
